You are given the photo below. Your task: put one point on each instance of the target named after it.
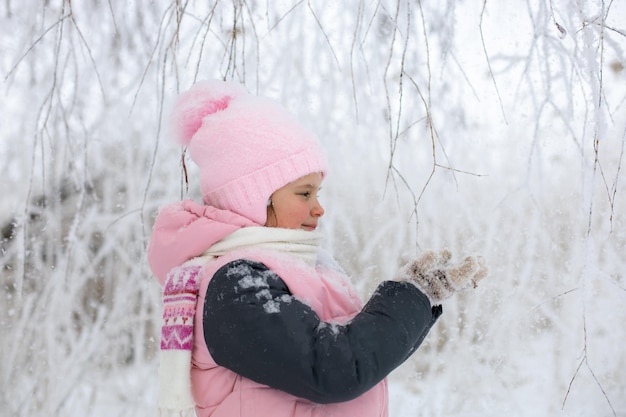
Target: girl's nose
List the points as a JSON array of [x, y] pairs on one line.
[[317, 210]]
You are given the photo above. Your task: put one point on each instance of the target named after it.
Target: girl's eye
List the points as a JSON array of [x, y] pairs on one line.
[[306, 194]]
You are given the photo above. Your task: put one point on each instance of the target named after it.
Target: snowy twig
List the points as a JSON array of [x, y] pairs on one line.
[[319, 24], [295, 6], [585, 361], [151, 58], [357, 26], [553, 298], [91, 58], [460, 171], [35, 43], [493, 78]]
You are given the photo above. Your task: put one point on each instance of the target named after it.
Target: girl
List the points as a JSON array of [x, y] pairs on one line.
[[258, 320]]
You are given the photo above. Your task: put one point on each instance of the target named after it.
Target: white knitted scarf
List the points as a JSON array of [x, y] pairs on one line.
[[297, 242], [180, 294]]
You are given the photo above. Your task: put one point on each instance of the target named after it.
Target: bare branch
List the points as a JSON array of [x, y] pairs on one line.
[[571, 382], [34, 44], [595, 378], [152, 53], [357, 27], [319, 24], [556, 297], [113, 16], [91, 58], [493, 78], [385, 74], [295, 6], [206, 22], [447, 168]]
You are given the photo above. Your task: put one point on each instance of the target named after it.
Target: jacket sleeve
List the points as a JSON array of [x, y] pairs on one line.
[[255, 327]]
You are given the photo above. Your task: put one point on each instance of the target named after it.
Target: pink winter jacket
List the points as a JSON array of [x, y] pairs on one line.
[[391, 326], [219, 392], [184, 230]]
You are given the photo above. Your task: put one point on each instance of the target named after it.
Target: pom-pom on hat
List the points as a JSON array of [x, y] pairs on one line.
[[246, 146]]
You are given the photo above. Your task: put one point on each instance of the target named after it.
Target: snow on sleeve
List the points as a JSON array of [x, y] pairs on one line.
[[251, 278], [335, 328]]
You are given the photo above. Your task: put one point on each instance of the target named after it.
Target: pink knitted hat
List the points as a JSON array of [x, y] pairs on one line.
[[246, 146]]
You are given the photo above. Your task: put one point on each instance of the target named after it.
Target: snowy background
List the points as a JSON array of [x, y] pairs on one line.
[[478, 126]]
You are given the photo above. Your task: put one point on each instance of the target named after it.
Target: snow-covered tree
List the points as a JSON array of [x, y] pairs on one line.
[[479, 126]]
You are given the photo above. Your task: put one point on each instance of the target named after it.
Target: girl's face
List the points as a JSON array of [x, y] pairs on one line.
[[295, 206]]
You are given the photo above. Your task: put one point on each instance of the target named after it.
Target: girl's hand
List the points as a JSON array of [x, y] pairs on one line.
[[436, 277]]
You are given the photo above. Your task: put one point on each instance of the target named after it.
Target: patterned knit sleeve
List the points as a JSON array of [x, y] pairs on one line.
[[256, 328]]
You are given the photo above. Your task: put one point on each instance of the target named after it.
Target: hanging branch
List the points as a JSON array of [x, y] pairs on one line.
[[91, 58], [34, 44], [493, 78], [319, 24], [598, 108], [585, 361], [157, 43]]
